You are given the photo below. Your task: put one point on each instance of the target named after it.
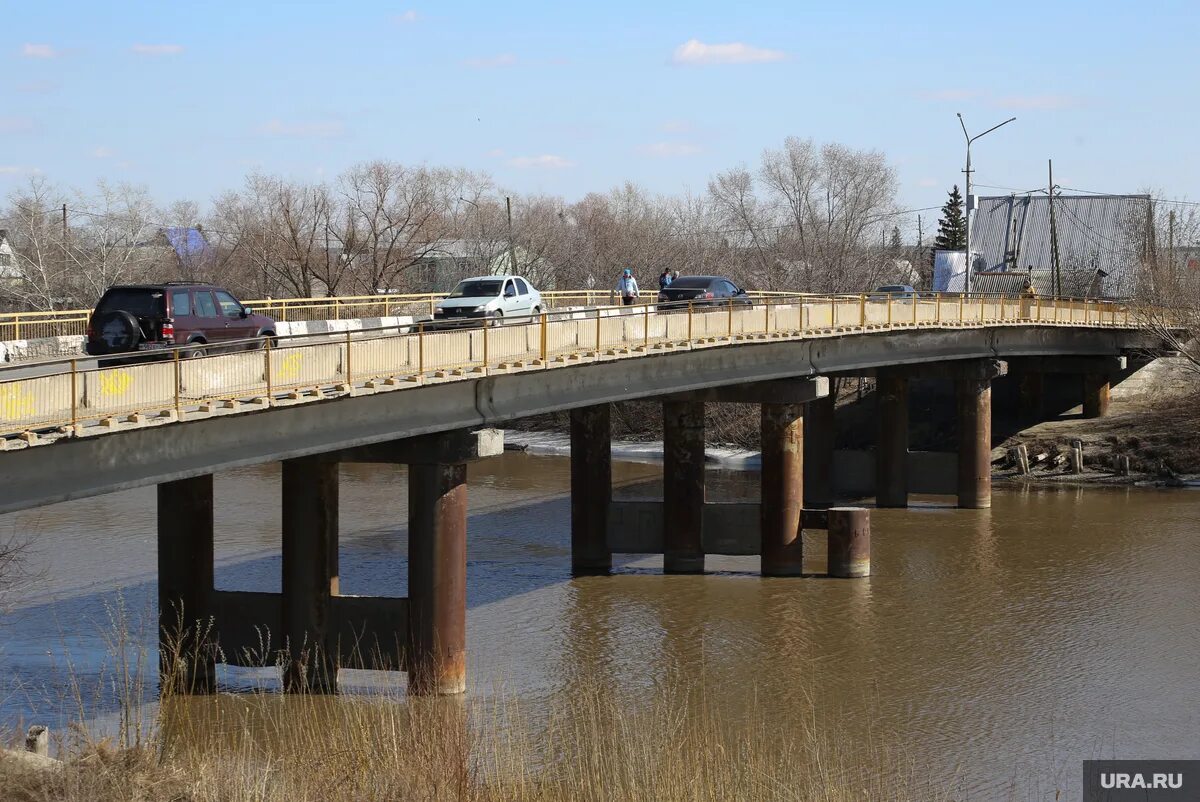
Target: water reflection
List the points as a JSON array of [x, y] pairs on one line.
[[988, 644]]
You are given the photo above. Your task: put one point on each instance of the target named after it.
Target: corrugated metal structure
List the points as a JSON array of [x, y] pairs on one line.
[[1101, 240]]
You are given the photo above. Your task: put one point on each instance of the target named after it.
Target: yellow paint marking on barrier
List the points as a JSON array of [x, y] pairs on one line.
[[289, 368], [115, 382], [15, 402]]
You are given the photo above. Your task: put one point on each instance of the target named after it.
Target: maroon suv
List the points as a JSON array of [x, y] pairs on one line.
[[150, 317]]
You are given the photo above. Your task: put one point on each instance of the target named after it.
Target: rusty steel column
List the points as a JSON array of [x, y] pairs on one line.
[[849, 542], [1032, 406], [1095, 395], [591, 489], [782, 479], [819, 438], [974, 442], [437, 579], [310, 572], [683, 486], [891, 454], [185, 582]]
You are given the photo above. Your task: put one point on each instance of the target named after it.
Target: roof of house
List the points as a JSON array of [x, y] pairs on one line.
[[189, 243], [1094, 232]]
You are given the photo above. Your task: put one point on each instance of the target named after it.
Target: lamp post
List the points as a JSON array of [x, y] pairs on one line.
[[971, 139]]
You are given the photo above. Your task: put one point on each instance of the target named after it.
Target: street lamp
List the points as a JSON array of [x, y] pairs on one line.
[[971, 139]]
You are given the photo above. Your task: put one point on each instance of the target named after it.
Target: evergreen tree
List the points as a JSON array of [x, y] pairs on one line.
[[952, 228]]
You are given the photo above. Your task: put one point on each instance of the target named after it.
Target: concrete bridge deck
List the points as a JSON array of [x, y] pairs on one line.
[[86, 432]]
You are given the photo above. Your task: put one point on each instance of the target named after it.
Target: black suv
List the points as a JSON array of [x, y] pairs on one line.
[[151, 317]]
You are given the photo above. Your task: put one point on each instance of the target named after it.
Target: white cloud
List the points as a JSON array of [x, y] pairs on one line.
[[15, 125], [492, 62], [407, 18], [39, 51], [157, 50], [314, 129], [666, 150], [676, 127], [546, 162], [693, 51], [496, 153], [101, 152], [1038, 102], [13, 169]]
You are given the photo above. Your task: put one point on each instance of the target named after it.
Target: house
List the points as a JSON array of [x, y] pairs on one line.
[[1102, 242], [446, 262]]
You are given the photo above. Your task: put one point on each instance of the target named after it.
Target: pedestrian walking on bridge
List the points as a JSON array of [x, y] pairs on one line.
[[627, 287]]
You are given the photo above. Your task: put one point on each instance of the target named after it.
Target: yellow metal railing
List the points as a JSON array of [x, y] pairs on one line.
[[73, 399], [73, 322]]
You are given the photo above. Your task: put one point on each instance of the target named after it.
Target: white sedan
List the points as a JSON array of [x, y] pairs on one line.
[[489, 297]]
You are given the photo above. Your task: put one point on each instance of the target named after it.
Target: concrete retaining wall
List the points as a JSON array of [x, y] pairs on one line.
[[66, 347]]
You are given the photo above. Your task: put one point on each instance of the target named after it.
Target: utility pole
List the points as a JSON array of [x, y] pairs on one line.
[[1056, 272], [512, 254], [1171, 240], [64, 240]]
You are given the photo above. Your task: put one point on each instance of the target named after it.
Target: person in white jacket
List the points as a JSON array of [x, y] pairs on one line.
[[627, 287]]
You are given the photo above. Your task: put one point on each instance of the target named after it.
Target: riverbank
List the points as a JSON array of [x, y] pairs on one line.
[[594, 744], [1051, 439]]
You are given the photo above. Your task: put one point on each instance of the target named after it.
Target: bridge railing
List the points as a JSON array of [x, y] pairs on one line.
[[76, 401]]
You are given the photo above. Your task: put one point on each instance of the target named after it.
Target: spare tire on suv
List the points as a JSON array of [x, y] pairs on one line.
[[118, 330]]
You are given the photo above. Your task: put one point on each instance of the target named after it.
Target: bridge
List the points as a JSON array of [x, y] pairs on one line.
[[429, 398]]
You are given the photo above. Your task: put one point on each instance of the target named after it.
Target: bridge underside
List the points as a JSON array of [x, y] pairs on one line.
[[82, 467]]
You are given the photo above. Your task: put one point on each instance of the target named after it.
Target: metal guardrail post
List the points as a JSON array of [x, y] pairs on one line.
[[421, 349], [16, 327], [729, 325], [545, 325], [862, 311], [937, 308], [267, 368], [962, 299], [690, 322], [178, 386], [597, 332], [348, 380], [485, 343], [832, 312], [646, 328], [74, 392], [916, 302], [889, 308]]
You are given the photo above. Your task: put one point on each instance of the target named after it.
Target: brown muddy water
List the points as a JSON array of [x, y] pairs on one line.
[[995, 649]]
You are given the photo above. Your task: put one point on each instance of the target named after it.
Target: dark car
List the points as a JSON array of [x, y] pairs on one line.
[[153, 317], [702, 291]]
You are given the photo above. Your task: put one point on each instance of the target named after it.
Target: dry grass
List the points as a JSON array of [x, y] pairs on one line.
[[593, 744]]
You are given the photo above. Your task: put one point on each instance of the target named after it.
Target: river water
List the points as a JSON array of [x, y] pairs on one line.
[[998, 648]]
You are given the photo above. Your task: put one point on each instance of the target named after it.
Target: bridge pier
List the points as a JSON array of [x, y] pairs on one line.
[[437, 578], [1095, 395], [891, 463], [185, 582], [974, 441], [782, 480], [591, 489], [849, 531], [683, 486], [315, 629], [820, 433], [310, 573]]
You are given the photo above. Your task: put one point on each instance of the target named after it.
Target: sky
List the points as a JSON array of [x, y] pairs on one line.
[[187, 98]]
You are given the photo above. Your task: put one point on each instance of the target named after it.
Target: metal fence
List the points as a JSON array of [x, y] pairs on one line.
[[73, 322], [76, 401]]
